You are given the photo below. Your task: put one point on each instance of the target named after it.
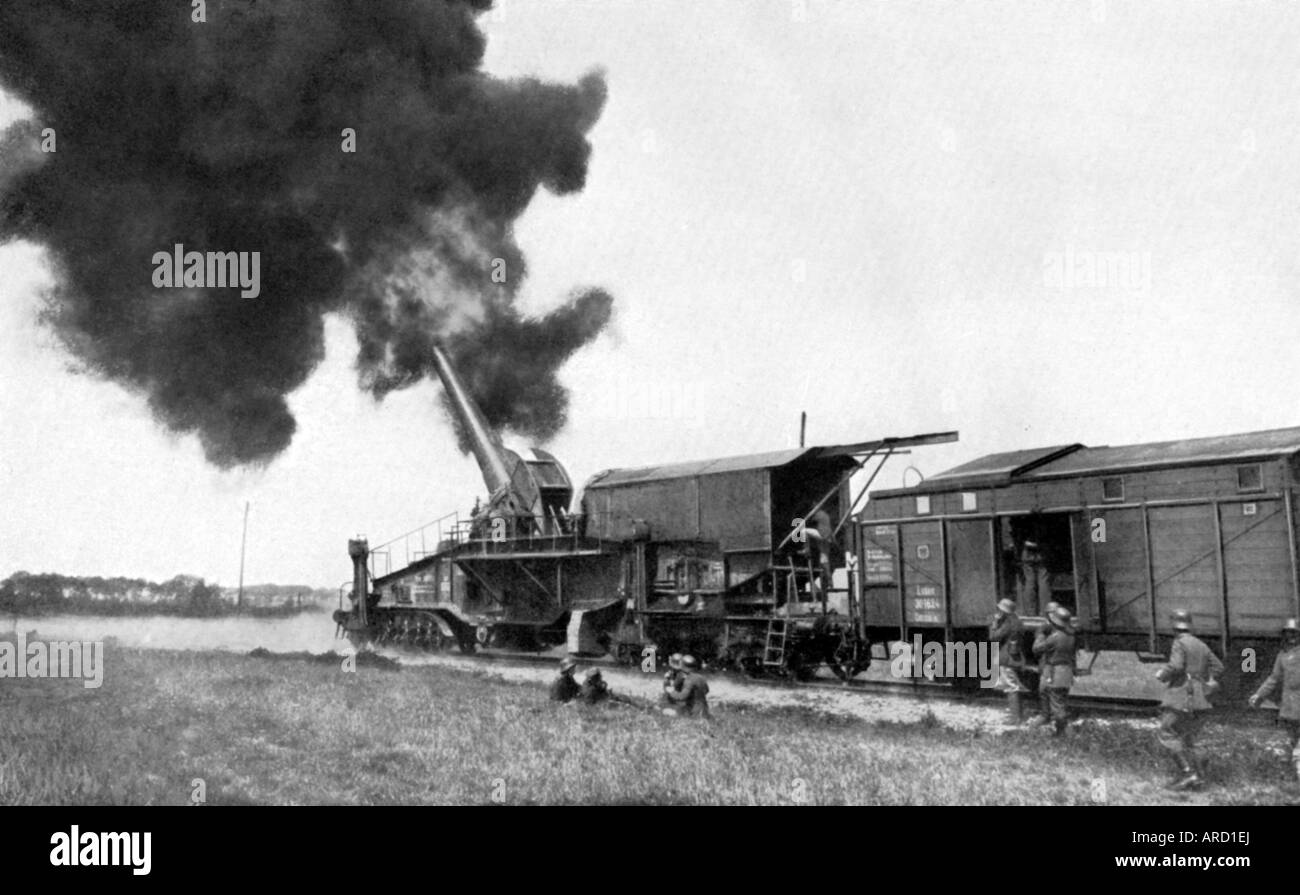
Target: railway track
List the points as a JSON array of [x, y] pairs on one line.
[[924, 689]]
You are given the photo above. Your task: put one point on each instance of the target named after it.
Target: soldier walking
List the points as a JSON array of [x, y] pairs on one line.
[[693, 696], [1190, 675], [564, 688], [1286, 674], [1054, 644], [1006, 630]]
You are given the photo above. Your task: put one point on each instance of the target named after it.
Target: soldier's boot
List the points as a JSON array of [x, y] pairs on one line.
[[1188, 778], [1014, 716], [1044, 711]]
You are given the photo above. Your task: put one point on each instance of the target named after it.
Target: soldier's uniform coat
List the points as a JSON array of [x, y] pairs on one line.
[[594, 690], [1191, 666], [1006, 631], [1286, 674], [564, 688], [692, 698], [1055, 648]]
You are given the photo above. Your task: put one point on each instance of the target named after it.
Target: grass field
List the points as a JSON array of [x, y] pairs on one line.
[[260, 730]]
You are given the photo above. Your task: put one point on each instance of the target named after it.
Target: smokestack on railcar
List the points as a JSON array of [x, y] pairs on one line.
[[359, 550]]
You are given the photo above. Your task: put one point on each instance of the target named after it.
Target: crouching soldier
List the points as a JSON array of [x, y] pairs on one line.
[[564, 688], [673, 678], [1054, 645], [1190, 675], [1005, 631], [692, 698], [1286, 674], [594, 688]]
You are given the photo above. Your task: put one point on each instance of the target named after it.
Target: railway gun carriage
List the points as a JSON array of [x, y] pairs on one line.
[[742, 561], [1120, 536]]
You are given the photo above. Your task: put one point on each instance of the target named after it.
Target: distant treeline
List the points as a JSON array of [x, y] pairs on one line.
[[23, 593]]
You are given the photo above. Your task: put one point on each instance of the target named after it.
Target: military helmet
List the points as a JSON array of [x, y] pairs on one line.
[[1291, 626], [593, 674], [690, 662], [675, 661], [1007, 605], [1182, 620], [567, 664], [1051, 607], [1061, 615]]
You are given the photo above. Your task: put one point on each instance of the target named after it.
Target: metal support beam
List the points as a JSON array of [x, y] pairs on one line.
[[1074, 566], [1290, 542], [1096, 576], [1150, 573], [943, 554], [1223, 574], [902, 587]]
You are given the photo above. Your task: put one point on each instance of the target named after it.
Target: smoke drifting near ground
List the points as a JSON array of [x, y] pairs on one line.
[[227, 136]]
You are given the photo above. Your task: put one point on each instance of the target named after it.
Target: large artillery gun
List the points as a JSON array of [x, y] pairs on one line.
[[745, 561]]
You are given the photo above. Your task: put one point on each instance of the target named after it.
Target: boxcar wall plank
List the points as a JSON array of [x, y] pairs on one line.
[[1085, 598], [879, 573], [1121, 571], [1184, 565], [1257, 566], [971, 580], [921, 561], [1289, 497]]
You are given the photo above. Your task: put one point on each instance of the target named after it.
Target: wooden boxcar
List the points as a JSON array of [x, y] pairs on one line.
[[1121, 536]]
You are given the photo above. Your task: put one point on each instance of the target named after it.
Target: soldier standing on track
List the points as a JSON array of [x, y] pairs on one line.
[[564, 688], [1054, 645], [1286, 673], [692, 697], [1006, 630], [1190, 675]]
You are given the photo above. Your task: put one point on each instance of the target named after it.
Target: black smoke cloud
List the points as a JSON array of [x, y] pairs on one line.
[[226, 136]]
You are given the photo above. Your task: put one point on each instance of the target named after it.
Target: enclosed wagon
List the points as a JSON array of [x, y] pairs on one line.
[[1121, 536]]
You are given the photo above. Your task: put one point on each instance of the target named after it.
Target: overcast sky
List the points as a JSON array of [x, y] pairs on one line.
[[1037, 223]]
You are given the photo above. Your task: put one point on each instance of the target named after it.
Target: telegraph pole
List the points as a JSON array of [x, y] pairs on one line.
[[243, 543]]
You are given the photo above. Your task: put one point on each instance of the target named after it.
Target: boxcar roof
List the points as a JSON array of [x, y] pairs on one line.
[[1078, 460], [743, 463], [1192, 451], [999, 467]]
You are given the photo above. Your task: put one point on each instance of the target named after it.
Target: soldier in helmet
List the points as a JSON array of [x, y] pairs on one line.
[[673, 679], [1190, 675], [1005, 630], [1054, 644], [693, 696], [594, 688], [1286, 674], [564, 688]]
